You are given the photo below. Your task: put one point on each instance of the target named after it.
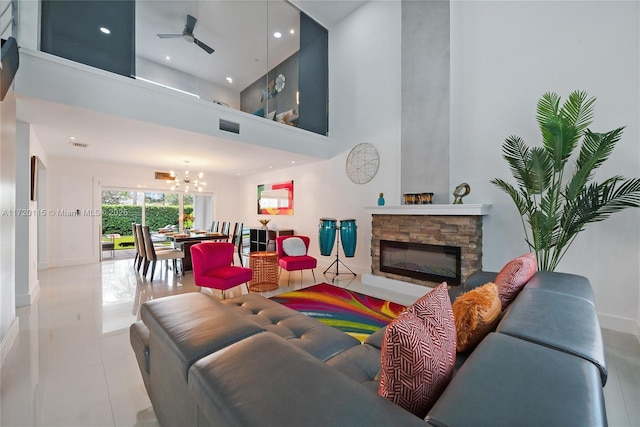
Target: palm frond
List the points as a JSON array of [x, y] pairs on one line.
[[598, 202], [559, 138], [626, 195], [518, 199], [547, 107], [540, 168], [549, 219], [596, 149], [516, 153], [562, 128], [579, 110]]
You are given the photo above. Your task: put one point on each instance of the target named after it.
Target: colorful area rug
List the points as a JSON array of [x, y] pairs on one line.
[[356, 314]]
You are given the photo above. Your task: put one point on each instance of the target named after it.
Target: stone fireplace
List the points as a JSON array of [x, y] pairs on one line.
[[427, 239]]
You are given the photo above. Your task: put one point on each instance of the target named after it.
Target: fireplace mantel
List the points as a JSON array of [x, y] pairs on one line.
[[463, 209]]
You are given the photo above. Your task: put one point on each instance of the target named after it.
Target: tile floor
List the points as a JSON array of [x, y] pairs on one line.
[[72, 364]]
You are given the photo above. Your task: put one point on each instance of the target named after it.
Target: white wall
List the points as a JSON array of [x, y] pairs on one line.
[[505, 55], [207, 91], [364, 107], [26, 246], [8, 319], [75, 184]]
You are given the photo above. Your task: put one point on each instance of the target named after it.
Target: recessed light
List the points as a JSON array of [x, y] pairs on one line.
[[72, 138], [105, 30], [229, 79], [277, 34], [292, 31], [293, 162], [168, 58]]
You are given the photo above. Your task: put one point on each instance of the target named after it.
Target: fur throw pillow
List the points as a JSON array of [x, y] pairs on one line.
[[476, 313]]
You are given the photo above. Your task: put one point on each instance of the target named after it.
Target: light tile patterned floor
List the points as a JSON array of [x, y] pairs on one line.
[[73, 365]]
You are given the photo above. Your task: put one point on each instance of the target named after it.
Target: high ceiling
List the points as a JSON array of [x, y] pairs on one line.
[[237, 45], [241, 32]]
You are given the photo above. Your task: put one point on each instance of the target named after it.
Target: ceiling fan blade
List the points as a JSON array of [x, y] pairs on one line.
[[191, 24], [169, 36], [207, 49]]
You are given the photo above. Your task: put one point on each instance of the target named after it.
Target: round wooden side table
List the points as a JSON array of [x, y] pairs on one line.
[[264, 266]]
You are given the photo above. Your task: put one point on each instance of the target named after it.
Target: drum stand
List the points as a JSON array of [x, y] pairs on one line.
[[337, 261]]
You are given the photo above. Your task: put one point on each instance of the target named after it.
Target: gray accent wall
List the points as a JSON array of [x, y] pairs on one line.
[[425, 99]]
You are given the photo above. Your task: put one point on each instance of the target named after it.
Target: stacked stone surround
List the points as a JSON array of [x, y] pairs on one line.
[[464, 231]]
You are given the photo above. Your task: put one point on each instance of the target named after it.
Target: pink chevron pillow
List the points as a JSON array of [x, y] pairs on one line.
[[418, 353], [513, 276]]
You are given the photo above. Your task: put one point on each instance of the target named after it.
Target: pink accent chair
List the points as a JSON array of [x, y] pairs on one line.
[[212, 267], [298, 262]]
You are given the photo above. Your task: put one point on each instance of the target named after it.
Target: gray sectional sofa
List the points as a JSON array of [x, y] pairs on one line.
[[249, 361]]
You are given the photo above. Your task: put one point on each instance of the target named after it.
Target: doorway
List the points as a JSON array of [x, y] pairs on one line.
[[156, 209]]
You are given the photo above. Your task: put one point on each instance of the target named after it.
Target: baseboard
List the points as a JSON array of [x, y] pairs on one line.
[[620, 324], [9, 339], [73, 262], [27, 299]]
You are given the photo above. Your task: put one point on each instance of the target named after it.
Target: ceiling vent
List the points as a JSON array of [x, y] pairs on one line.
[[78, 144], [229, 126]]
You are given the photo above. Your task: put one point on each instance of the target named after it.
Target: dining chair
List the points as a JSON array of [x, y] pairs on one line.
[[136, 244], [225, 228], [160, 255], [140, 250], [211, 262], [214, 226], [292, 255], [236, 240]]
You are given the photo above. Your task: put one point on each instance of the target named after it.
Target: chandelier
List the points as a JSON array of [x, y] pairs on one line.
[[187, 181]]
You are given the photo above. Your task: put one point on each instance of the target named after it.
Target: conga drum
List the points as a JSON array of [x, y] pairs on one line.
[[348, 235], [327, 234]]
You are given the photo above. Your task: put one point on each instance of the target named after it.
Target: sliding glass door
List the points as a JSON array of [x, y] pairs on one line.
[[202, 211], [119, 209], [162, 210]]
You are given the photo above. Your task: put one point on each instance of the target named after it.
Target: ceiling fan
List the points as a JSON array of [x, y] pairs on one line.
[[187, 34]]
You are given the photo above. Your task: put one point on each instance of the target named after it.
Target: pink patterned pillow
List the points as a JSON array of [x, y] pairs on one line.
[[418, 353], [513, 276]]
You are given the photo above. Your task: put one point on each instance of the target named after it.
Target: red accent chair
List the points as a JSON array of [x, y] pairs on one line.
[[212, 267], [295, 262]]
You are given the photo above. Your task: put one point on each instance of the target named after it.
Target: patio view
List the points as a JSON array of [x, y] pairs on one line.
[[121, 208]]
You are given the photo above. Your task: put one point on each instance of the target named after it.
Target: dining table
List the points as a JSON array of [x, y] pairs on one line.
[[185, 240]]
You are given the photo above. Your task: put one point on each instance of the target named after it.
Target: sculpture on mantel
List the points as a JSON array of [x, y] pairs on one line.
[[461, 191]]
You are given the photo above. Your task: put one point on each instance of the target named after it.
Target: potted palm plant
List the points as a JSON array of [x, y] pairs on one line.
[[555, 203]]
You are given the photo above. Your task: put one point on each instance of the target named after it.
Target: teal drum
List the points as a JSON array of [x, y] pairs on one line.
[[349, 236], [327, 235]]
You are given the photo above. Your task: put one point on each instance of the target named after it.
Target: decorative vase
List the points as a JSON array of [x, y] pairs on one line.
[[264, 223], [381, 200]]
